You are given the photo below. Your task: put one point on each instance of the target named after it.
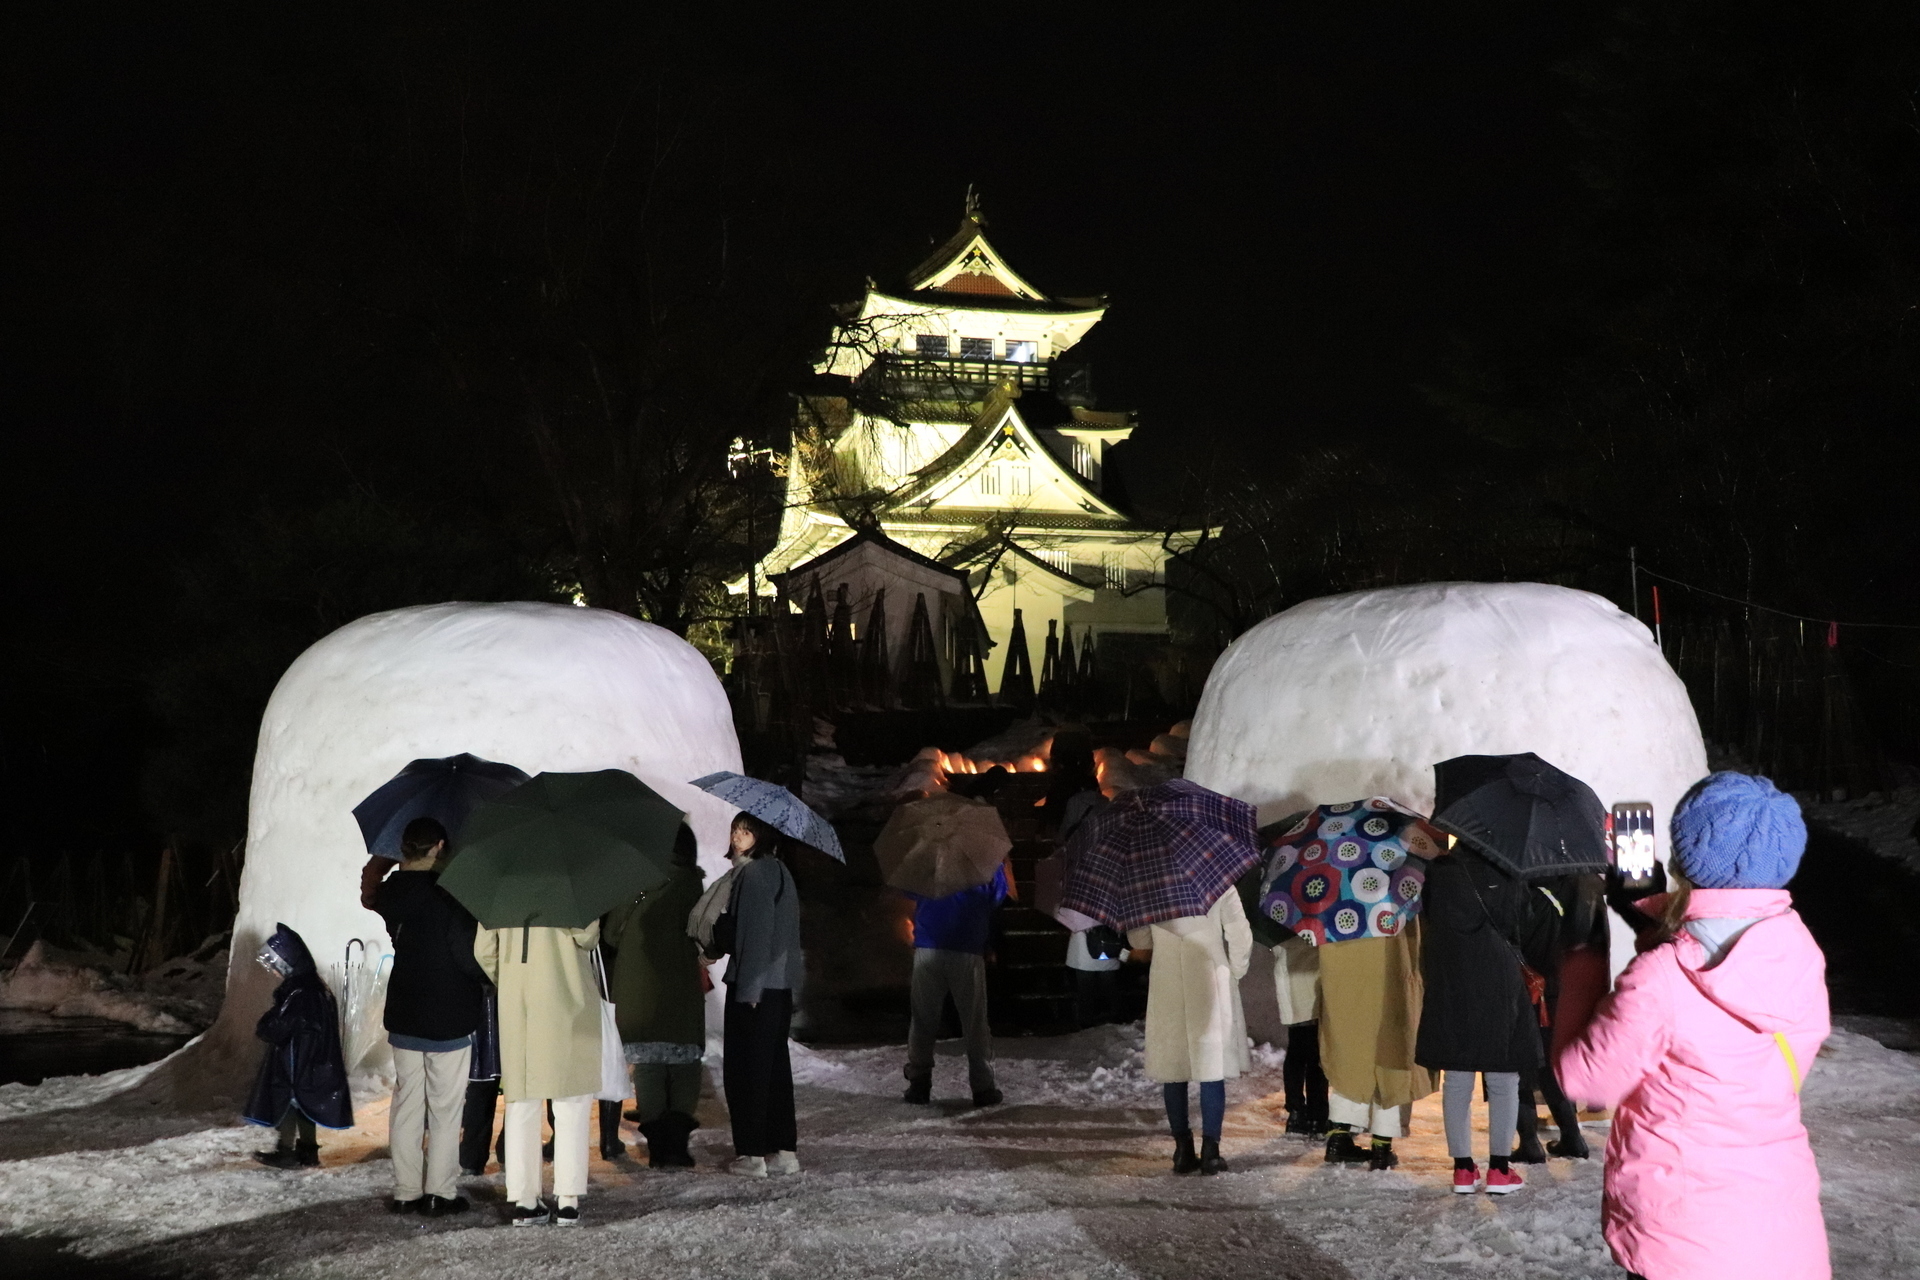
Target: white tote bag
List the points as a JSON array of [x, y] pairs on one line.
[[614, 1085]]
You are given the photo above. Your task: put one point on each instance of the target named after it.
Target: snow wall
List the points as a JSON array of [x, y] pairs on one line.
[[543, 687], [1362, 694]]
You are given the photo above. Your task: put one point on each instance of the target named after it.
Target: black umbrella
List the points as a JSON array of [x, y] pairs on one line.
[[1527, 817], [445, 789]]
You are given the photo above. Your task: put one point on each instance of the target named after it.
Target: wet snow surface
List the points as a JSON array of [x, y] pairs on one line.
[[1068, 1180]]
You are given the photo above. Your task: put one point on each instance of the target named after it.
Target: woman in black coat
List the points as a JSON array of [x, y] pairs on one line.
[[1478, 1017]]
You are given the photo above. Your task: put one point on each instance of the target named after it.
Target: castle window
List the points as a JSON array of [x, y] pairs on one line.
[[976, 348], [931, 344], [990, 481], [1021, 352], [1019, 481], [1082, 458], [1114, 571]]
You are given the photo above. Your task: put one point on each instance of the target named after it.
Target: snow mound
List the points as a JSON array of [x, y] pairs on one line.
[[65, 989], [1362, 694], [544, 687], [61, 1093]]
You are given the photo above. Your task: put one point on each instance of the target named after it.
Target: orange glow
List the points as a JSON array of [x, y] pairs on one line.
[[905, 929], [951, 762]]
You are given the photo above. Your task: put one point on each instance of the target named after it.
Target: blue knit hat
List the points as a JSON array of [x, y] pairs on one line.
[[1736, 831]]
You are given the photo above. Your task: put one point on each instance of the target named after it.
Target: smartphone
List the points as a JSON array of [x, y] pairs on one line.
[[1630, 830]]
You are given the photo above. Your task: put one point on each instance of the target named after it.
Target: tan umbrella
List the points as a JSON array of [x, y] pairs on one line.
[[941, 845]]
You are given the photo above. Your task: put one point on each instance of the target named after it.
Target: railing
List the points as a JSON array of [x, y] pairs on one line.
[[935, 372]]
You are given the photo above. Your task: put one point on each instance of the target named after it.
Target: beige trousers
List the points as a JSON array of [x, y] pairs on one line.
[[429, 1093], [570, 1123]]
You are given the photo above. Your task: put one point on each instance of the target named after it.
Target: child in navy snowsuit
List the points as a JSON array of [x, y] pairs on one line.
[[303, 1080]]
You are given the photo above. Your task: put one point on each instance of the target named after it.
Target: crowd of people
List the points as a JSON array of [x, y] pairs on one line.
[[1497, 987]]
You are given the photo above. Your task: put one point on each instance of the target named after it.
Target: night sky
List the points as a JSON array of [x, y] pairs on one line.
[[1297, 218]]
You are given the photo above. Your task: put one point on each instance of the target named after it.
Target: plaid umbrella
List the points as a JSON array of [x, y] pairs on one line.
[[1347, 871], [1159, 853]]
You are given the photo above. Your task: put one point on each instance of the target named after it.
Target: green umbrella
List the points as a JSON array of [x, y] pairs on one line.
[[561, 849]]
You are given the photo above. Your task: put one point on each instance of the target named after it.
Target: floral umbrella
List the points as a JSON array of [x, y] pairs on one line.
[[1347, 871]]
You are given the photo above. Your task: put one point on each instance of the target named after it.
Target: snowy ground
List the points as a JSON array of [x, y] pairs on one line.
[[1884, 822], [1067, 1181]]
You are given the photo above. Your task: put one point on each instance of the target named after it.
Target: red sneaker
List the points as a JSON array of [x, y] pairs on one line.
[[1466, 1181], [1502, 1182]]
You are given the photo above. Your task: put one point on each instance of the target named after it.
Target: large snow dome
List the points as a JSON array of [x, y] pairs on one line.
[[544, 687], [1361, 694]]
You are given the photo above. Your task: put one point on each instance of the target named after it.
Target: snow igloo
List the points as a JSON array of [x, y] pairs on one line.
[[1362, 694], [543, 687]]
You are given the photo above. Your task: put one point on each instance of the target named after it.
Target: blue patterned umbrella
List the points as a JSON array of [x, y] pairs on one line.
[[776, 806], [1159, 853], [446, 789], [1347, 871]]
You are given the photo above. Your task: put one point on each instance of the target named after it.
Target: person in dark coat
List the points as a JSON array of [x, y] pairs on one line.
[[483, 1088], [1576, 926], [434, 1004], [658, 1002], [303, 1078], [1478, 1017], [764, 970]]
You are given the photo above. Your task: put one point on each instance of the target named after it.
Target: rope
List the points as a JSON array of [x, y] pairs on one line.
[[1783, 613]]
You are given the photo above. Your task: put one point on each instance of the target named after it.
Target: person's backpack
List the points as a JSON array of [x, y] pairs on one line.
[[1104, 943], [724, 927]]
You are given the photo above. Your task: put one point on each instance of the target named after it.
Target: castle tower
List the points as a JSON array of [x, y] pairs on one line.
[[944, 425]]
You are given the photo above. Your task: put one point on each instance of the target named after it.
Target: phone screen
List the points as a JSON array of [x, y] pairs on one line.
[[1630, 828]]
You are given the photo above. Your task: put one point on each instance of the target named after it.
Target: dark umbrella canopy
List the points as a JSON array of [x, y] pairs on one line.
[[446, 789], [1529, 818], [562, 849], [1159, 853]]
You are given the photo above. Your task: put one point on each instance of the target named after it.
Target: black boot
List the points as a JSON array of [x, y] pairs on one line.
[[658, 1143], [1210, 1161], [919, 1090], [1380, 1156], [1528, 1150], [1184, 1161], [305, 1155], [1342, 1149], [679, 1127], [611, 1148], [1570, 1146]]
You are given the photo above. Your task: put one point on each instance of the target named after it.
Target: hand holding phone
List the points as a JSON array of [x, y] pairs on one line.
[[1630, 838]]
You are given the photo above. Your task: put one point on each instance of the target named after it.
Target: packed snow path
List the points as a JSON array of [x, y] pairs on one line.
[[1069, 1179]]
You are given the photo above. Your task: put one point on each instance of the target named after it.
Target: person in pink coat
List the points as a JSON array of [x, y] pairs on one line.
[[1702, 1048]]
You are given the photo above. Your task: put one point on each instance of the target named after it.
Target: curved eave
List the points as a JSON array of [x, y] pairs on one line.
[[987, 302], [967, 451]]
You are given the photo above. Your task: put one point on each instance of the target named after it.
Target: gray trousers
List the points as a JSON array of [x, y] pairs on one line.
[[962, 975], [1503, 1111]]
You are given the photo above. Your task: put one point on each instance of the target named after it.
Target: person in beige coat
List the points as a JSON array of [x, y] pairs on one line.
[[549, 1050], [1370, 997], [1196, 1029]]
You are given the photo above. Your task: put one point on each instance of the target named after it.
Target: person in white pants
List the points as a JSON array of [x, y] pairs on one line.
[[435, 1002], [549, 1006], [572, 1118]]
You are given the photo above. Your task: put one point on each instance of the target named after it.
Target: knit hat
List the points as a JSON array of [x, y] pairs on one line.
[[1736, 831]]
